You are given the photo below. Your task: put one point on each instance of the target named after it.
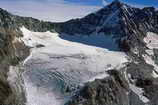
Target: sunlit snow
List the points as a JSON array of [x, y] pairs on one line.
[[151, 40]]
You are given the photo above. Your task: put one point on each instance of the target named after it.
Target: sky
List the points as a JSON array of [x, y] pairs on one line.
[[62, 10]]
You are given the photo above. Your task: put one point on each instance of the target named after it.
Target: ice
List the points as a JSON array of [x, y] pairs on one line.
[[61, 64], [41, 96]]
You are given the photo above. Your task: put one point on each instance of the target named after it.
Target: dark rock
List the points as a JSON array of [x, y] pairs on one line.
[[40, 45], [108, 91]]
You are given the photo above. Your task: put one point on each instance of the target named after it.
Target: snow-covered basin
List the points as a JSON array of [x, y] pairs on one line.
[[61, 64]]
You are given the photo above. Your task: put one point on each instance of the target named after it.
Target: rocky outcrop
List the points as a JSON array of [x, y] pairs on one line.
[[12, 52], [113, 90]]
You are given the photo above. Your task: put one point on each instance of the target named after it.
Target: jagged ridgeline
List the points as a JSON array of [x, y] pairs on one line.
[[128, 25]]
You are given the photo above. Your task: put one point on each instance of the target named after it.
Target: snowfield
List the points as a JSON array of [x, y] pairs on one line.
[[60, 65]]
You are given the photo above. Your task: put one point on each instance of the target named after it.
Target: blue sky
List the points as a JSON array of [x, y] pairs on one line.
[[134, 2], [62, 10]]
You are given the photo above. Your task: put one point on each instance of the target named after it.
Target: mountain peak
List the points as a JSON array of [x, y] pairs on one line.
[[117, 3], [2, 11]]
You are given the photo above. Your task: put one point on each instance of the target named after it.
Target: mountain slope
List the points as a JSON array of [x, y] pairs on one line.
[[124, 22], [50, 63], [135, 30]]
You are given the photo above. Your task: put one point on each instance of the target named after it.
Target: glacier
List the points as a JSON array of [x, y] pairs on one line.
[[54, 71]]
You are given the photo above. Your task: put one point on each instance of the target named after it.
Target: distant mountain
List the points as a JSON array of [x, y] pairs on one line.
[[124, 22], [79, 47]]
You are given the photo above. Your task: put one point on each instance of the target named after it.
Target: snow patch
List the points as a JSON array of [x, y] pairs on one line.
[[155, 74], [139, 92], [149, 60], [150, 52], [13, 75], [151, 40], [101, 76]]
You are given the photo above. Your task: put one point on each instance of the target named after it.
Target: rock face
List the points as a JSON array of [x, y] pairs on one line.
[[12, 52], [128, 24], [135, 30], [113, 90], [110, 91]]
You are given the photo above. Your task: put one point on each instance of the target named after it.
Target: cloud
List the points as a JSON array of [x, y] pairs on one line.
[[56, 10]]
